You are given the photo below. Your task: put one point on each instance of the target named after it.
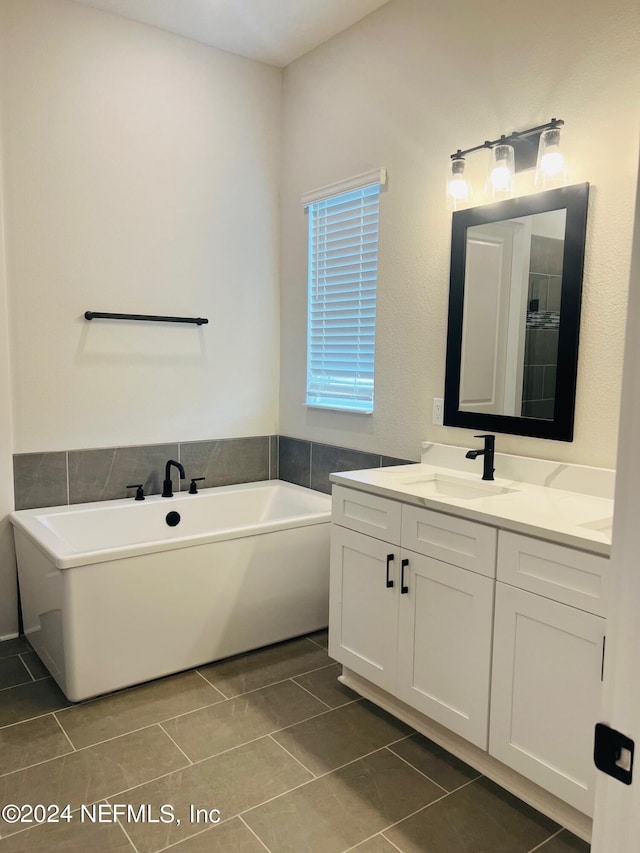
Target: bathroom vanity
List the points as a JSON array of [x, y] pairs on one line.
[[475, 611]]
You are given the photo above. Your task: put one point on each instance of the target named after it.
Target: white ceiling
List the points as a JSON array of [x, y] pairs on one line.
[[271, 31]]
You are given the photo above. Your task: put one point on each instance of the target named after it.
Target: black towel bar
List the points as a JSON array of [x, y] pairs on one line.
[[91, 315]]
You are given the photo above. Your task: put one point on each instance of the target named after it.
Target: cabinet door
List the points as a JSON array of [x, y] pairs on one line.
[[363, 609], [545, 695], [444, 645]]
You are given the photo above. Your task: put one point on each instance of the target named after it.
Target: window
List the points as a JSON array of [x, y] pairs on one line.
[[342, 281]]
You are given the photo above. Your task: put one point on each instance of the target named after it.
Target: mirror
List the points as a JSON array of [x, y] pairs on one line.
[[514, 314]]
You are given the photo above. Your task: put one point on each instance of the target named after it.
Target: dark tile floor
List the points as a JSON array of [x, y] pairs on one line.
[[293, 761]]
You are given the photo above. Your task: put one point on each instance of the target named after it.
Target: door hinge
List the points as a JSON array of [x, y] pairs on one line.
[[613, 753]]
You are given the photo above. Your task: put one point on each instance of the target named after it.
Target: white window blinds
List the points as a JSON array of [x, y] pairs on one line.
[[343, 272]]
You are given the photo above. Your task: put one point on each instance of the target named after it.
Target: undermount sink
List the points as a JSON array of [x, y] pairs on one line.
[[444, 485]]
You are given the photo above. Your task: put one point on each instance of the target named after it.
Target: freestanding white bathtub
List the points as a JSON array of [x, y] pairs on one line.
[[113, 595]]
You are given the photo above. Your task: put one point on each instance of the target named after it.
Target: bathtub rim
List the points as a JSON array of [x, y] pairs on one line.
[[64, 556]]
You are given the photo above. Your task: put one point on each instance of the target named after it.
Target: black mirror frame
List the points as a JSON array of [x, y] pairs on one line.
[[575, 200]]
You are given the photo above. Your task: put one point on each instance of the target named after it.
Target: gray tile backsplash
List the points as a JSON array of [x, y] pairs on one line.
[[326, 458], [273, 457], [309, 464], [103, 475], [79, 476], [226, 461], [40, 479], [294, 460]]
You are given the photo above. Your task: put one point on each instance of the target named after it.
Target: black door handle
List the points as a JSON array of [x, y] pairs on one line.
[[390, 558], [403, 588]]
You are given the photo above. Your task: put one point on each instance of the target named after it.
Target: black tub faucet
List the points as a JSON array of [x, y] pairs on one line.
[[167, 486], [487, 454]]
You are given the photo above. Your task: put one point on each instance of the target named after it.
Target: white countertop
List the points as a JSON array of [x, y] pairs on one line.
[[573, 518]]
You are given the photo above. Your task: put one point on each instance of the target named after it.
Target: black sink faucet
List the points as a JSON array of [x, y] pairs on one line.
[[487, 453], [167, 486]]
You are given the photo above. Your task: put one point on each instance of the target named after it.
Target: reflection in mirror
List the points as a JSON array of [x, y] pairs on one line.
[[514, 308], [513, 280]]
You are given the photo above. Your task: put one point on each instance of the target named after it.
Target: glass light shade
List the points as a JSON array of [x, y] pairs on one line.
[[458, 189], [551, 169], [501, 171]]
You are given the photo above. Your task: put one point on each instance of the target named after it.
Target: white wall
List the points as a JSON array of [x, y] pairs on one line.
[[403, 89], [141, 175], [8, 585]]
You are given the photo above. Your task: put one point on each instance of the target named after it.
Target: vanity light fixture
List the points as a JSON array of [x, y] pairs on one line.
[[457, 185], [501, 171], [537, 147], [551, 168]]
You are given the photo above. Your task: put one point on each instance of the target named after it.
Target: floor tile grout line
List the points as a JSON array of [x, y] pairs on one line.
[[255, 834], [297, 760], [364, 840], [203, 708], [395, 846], [315, 642], [131, 688], [321, 713], [328, 773], [424, 775], [20, 684], [177, 746], [89, 746], [28, 719], [110, 797], [160, 723], [206, 680], [126, 835], [546, 841], [24, 664], [317, 698], [148, 725], [53, 714], [174, 844], [44, 760], [273, 683], [322, 776], [93, 699], [125, 734], [422, 808]]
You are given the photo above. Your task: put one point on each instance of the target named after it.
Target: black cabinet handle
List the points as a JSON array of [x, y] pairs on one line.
[[403, 588], [390, 558]]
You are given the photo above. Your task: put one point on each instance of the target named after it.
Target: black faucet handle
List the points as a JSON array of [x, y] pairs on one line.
[[139, 490], [193, 489]]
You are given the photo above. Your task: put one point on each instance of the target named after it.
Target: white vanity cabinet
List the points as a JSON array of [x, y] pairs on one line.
[[411, 606], [482, 638], [363, 611], [547, 664]]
